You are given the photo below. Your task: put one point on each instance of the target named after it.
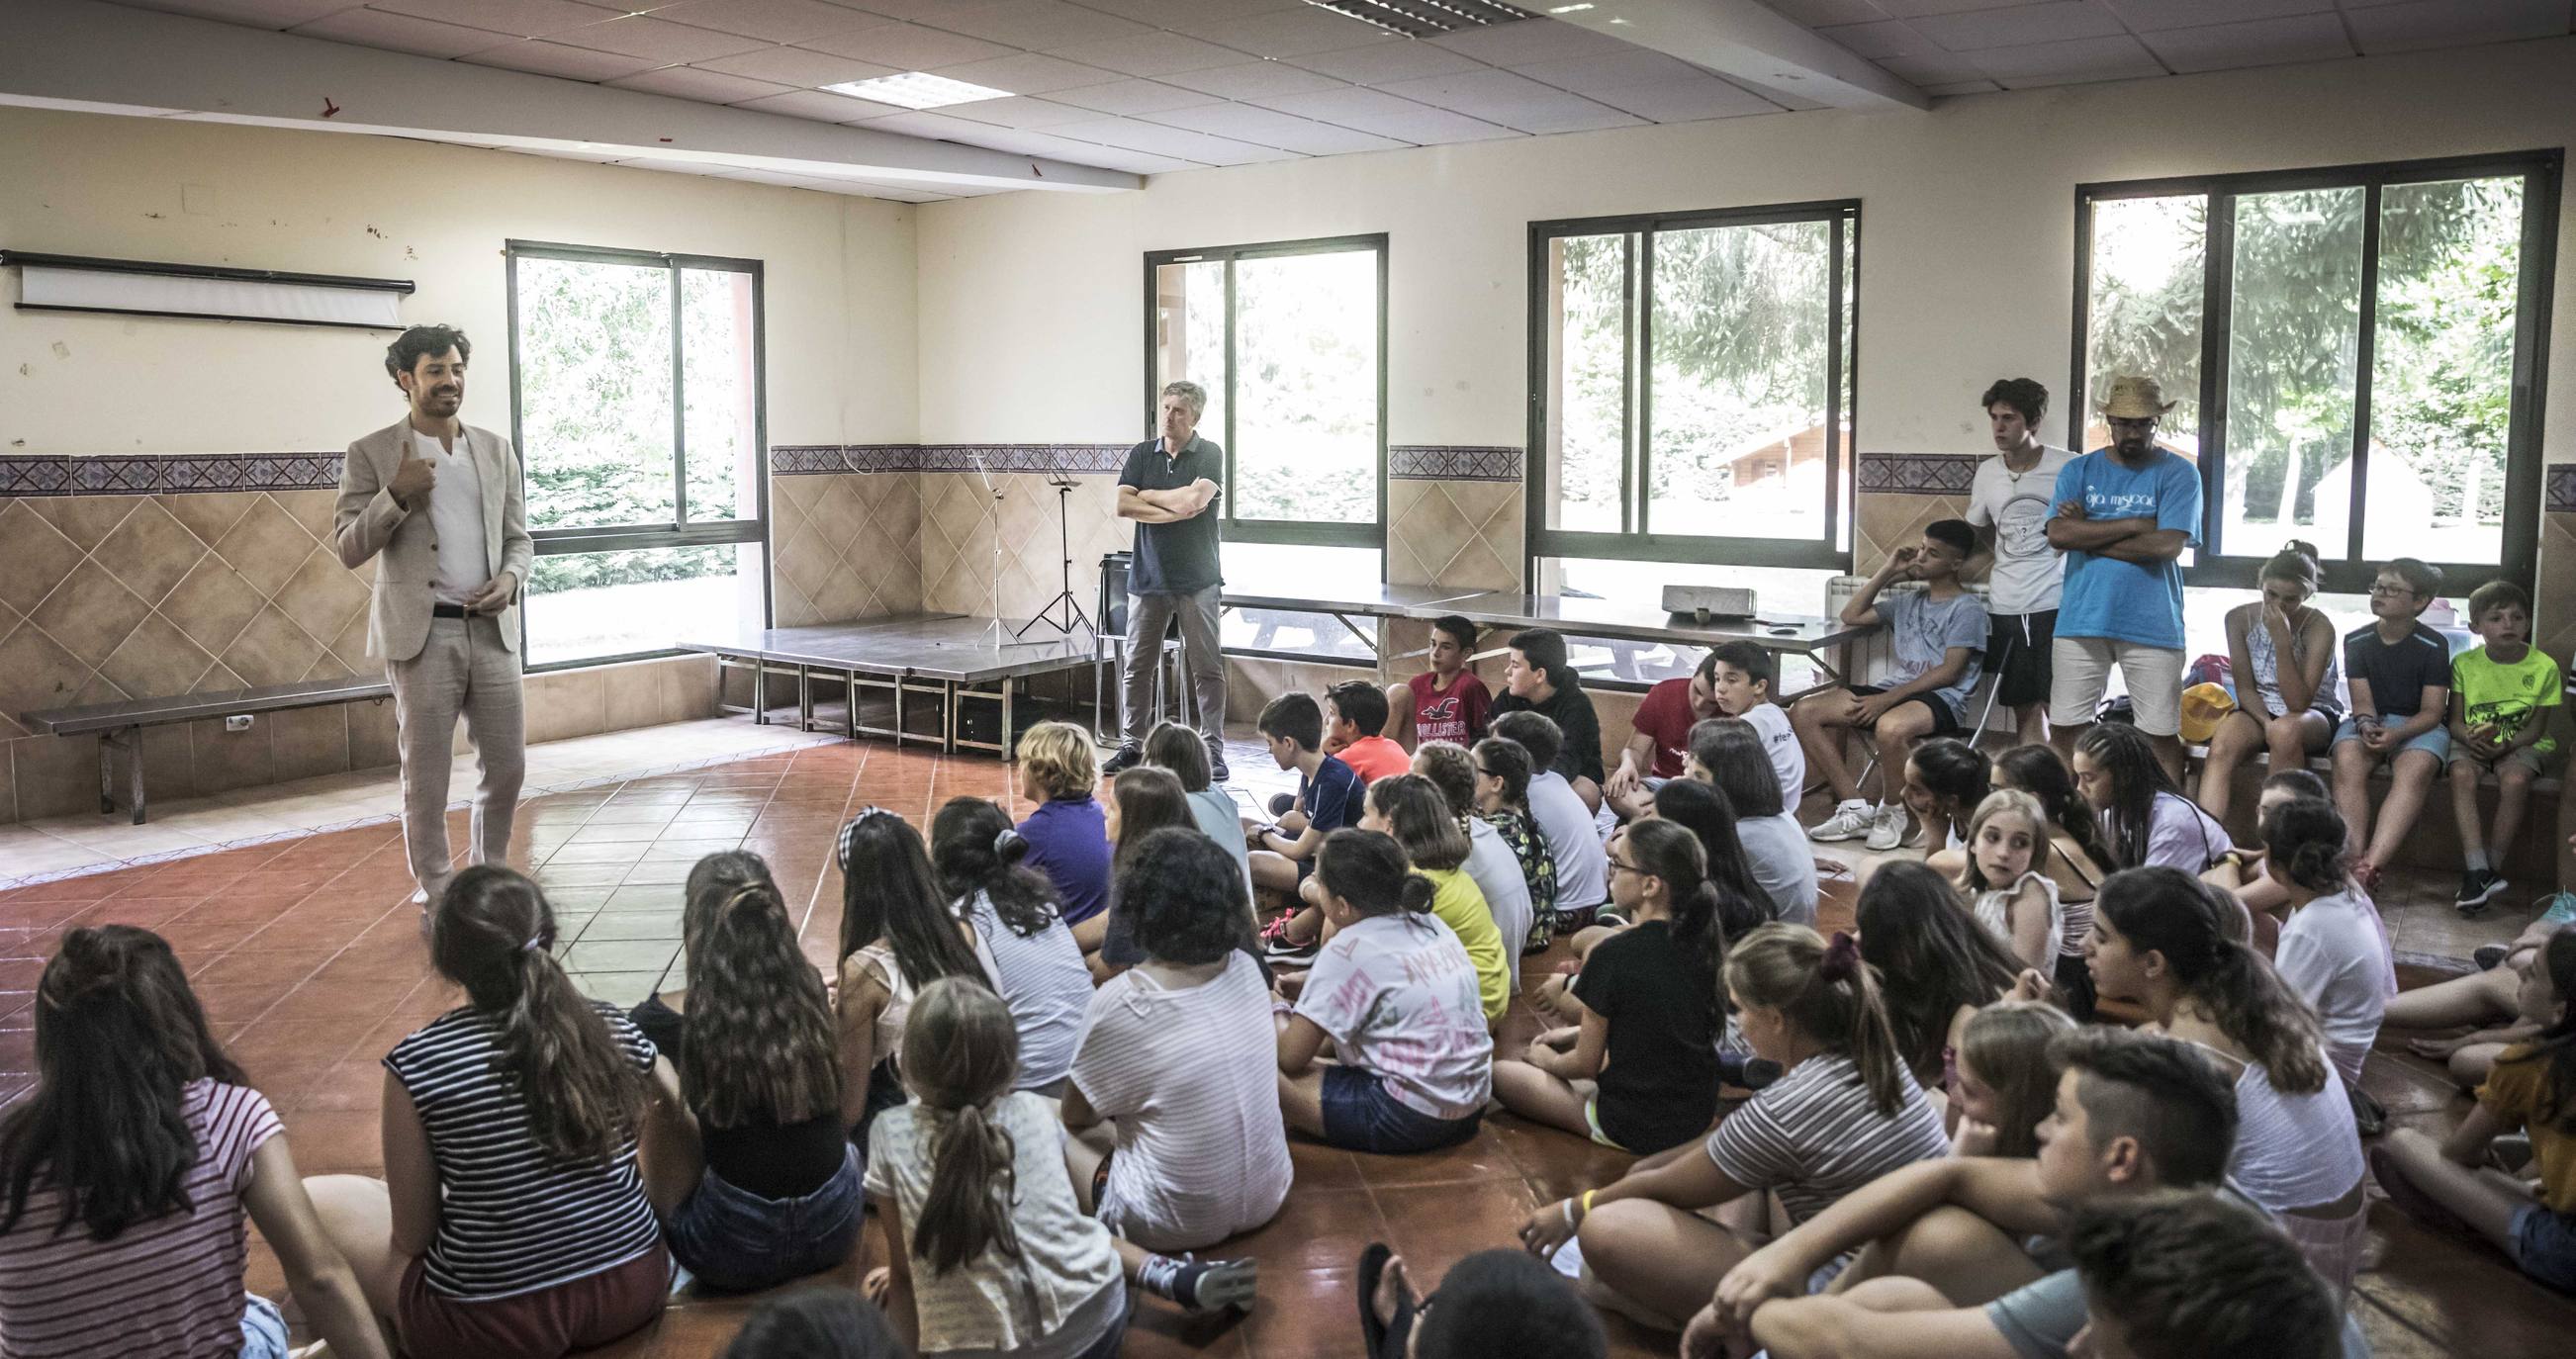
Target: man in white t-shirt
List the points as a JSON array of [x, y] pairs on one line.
[[2009, 503]]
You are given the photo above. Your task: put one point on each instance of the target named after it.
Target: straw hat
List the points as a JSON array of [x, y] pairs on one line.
[[2135, 398], [2204, 706]]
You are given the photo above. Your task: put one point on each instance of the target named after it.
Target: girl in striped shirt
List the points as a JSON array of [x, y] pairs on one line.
[[128, 1169], [512, 1222]]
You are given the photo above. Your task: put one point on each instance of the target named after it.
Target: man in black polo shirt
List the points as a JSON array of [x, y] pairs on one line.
[[1169, 487]]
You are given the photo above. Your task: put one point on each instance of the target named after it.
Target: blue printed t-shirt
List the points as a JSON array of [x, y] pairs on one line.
[[1333, 798], [2124, 601], [1924, 629], [1069, 842]]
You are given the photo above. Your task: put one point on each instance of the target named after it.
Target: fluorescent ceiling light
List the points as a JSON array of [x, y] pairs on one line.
[[917, 90], [1568, 9], [1425, 18]]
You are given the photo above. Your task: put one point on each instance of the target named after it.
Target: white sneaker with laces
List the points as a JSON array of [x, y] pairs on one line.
[[1887, 828], [1850, 821]]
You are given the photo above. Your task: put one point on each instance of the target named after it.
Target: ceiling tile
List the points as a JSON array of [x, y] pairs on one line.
[[922, 123], [1886, 38], [2264, 42], [1130, 97], [1386, 61], [538, 57], [2146, 16], [688, 82], [1528, 40], [2450, 23], [1610, 72], [519, 18], [252, 13], [1020, 111], [1170, 141], [1387, 116], [644, 36], [402, 33], [1943, 68], [1026, 73], [796, 66], [1151, 53], [1817, 13], [1035, 25], [820, 106], [1269, 127], [1133, 162], [1256, 80], [1915, 9], [1180, 14], [2020, 26], [1962, 87], [909, 47], [2066, 63], [1687, 101], [1298, 32], [776, 20], [1511, 100]]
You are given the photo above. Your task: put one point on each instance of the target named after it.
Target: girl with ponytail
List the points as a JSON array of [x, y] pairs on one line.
[[2157, 940], [513, 1221], [2333, 953], [1028, 950], [994, 1255], [897, 936], [128, 1171], [1413, 810], [771, 1192], [1843, 1112], [1637, 1071], [1395, 993]]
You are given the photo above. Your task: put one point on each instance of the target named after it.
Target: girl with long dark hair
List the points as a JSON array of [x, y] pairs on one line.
[[1936, 965], [770, 1192], [993, 1255], [1142, 800], [1638, 1068], [1704, 811], [513, 1220], [1491, 864], [2146, 822], [129, 1168], [2333, 952], [1031, 955], [1728, 754], [897, 936]]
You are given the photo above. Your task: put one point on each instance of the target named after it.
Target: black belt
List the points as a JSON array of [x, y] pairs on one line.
[[450, 611]]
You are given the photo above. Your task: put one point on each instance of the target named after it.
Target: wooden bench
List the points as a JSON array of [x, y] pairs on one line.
[[120, 725]]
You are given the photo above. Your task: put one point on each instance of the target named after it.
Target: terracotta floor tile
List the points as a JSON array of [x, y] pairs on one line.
[[662, 925], [1305, 1314], [1433, 1226], [1315, 1229], [1479, 1159]]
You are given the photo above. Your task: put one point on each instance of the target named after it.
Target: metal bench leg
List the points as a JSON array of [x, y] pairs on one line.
[[130, 739], [760, 693]]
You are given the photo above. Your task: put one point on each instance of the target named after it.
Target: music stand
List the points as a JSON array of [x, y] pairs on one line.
[[1063, 483]]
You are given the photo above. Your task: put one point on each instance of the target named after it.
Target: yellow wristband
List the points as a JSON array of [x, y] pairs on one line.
[[1587, 1201]]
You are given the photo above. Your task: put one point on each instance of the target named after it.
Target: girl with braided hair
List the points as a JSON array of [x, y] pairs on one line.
[[1843, 1112], [128, 1171], [2158, 939]]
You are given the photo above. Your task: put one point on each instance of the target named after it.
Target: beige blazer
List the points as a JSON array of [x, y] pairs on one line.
[[367, 521]]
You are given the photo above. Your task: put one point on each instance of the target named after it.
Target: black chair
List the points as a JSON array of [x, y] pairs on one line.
[[1109, 654]]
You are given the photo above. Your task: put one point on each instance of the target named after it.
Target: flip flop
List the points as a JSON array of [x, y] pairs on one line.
[[1373, 1263]]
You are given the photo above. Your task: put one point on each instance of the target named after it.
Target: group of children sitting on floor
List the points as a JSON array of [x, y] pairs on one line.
[[1060, 1059]]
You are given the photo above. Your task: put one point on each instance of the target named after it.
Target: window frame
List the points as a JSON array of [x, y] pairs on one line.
[[2541, 172], [682, 532], [1295, 532], [1830, 552]]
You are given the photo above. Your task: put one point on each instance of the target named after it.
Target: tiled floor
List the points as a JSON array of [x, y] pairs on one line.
[[306, 955]]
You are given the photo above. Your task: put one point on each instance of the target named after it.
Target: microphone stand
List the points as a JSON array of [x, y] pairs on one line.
[[1063, 483]]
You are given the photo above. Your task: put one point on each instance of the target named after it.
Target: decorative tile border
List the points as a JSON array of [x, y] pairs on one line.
[[1916, 473], [151, 474], [1081, 459], [2562, 488], [1453, 462]]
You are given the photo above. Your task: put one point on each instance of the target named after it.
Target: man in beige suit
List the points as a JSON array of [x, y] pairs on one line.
[[441, 501]]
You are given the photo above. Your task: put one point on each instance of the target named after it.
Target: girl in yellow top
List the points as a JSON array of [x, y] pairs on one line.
[[2533, 1086], [1412, 809]]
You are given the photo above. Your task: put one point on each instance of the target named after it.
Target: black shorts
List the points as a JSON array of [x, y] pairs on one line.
[[2017, 647], [1944, 721]]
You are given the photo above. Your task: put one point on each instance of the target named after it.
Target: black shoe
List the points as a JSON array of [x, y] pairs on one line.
[[2478, 886], [1218, 770], [1128, 756], [1282, 803]]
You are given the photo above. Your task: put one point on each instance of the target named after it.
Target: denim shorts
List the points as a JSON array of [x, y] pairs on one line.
[[2544, 1244], [2436, 742], [1359, 1115], [738, 1242], [263, 1329]]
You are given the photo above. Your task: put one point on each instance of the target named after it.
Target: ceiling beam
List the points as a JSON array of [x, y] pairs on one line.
[[85, 55], [1747, 41]]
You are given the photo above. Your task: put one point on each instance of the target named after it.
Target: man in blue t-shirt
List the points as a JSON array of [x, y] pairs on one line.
[[2124, 516]]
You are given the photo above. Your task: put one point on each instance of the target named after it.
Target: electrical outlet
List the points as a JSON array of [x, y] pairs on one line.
[[237, 722]]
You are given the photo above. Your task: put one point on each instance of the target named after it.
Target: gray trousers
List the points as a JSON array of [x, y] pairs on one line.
[[1148, 618], [461, 671]]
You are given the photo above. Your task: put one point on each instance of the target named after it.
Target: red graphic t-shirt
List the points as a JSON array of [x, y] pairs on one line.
[[1458, 715]]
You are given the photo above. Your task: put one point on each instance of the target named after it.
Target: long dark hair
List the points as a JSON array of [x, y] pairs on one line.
[[1149, 799], [1953, 769], [2125, 755], [1183, 751], [2168, 911], [1702, 809], [1731, 751], [1932, 957], [2007, 1044], [119, 1037], [1828, 993], [888, 892], [2036, 770], [1417, 815], [1668, 851], [491, 934], [759, 1040], [1510, 761], [1368, 870], [976, 849], [2305, 837], [2556, 1044], [961, 1051]]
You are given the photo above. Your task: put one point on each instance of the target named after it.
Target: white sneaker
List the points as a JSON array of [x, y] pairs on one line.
[[1850, 821], [1887, 828]]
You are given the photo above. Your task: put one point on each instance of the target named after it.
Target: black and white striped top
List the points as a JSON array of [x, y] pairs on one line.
[[514, 1219]]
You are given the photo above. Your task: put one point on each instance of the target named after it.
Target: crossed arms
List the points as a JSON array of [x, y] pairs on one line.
[[1166, 507]]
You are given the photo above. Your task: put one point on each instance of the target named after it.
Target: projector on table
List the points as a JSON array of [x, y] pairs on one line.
[[1704, 602]]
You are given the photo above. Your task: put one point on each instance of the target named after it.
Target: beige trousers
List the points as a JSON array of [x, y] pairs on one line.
[[462, 670]]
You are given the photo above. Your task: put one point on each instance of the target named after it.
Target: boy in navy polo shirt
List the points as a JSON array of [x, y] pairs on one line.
[[2399, 672], [1329, 797]]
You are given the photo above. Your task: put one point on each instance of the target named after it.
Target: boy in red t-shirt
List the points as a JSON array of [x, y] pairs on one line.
[[1447, 702], [1660, 747], [1354, 720]]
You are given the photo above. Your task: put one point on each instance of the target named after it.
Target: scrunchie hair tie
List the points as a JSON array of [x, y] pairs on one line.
[[535, 942], [1842, 958], [1005, 841], [841, 850]]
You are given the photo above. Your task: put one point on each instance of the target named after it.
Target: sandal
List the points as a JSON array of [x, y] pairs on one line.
[[1377, 1334]]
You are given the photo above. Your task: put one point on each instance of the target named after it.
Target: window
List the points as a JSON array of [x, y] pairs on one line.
[[1692, 387], [2352, 354], [636, 406]]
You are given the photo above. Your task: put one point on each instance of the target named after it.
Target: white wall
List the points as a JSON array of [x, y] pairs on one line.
[[1031, 308], [839, 279]]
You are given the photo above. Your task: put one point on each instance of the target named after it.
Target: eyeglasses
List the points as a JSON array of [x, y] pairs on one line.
[[1618, 866]]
